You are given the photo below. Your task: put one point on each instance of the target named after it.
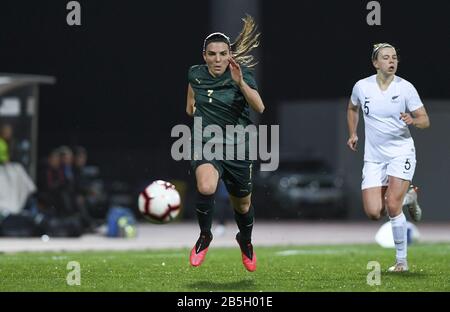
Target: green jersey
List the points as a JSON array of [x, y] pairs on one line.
[[219, 100]]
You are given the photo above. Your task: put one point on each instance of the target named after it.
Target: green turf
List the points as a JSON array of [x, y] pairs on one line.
[[297, 268]]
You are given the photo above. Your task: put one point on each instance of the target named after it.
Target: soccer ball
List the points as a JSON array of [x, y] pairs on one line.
[[159, 202]]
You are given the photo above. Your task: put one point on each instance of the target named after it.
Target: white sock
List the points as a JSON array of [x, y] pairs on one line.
[[399, 229]]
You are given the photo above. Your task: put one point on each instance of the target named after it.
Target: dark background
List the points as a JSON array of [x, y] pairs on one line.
[[122, 75]]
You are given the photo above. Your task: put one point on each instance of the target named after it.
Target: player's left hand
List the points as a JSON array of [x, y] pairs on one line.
[[407, 119], [236, 72]]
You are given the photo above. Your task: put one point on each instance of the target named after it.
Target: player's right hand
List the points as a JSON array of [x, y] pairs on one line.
[[352, 142]]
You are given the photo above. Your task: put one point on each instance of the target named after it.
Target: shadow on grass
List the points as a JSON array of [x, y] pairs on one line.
[[407, 274], [244, 284]]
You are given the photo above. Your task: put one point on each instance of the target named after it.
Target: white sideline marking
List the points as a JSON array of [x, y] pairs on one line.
[[285, 253]]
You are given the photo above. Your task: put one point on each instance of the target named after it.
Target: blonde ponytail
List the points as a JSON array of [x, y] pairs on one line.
[[245, 43]]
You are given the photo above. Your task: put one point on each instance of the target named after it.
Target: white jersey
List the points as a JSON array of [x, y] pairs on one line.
[[387, 136]]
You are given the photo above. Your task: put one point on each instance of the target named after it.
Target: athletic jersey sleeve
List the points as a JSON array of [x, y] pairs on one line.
[[413, 101], [191, 74], [356, 95], [249, 78]]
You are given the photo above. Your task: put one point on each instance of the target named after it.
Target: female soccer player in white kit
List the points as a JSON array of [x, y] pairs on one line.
[[390, 104]]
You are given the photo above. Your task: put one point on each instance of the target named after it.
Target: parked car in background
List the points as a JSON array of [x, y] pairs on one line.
[[306, 189]]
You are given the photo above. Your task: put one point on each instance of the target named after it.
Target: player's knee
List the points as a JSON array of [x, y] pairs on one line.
[[243, 206], [374, 215], [392, 202], [206, 188]]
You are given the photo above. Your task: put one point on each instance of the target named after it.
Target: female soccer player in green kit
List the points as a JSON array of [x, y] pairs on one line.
[[221, 92]]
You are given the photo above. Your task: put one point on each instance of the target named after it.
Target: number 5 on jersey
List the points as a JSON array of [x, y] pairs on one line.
[[366, 108], [210, 92]]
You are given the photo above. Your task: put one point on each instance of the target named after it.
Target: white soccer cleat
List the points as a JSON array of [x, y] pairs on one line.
[[415, 212], [399, 267], [411, 202]]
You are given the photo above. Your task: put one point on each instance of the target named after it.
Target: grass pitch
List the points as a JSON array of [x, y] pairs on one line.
[[291, 269]]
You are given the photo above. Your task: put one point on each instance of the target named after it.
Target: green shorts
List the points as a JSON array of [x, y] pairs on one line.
[[236, 174]]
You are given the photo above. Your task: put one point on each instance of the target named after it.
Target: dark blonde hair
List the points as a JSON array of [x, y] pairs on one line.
[[246, 42], [378, 46]]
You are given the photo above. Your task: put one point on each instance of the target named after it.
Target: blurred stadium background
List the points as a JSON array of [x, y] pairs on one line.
[[116, 85]]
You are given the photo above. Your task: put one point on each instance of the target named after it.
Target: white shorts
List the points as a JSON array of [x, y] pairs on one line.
[[376, 173]]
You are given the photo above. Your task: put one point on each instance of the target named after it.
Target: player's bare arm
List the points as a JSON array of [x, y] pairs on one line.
[[418, 118], [251, 95], [190, 106], [352, 122]]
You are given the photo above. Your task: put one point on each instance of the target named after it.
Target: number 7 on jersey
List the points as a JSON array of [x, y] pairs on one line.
[[210, 92]]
